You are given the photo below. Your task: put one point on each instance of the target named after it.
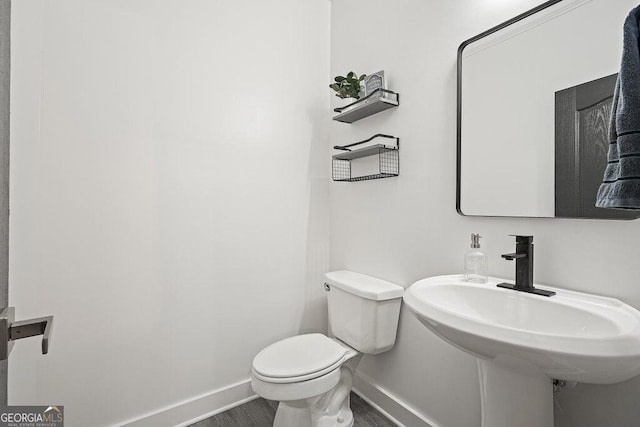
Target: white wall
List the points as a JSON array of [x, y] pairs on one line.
[[169, 188], [406, 228]]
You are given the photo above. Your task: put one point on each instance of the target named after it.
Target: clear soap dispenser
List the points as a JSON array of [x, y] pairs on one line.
[[475, 262]]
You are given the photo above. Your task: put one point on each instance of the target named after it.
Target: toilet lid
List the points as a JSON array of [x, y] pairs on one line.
[[298, 356]]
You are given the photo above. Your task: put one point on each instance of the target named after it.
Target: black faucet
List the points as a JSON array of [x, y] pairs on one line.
[[524, 268]]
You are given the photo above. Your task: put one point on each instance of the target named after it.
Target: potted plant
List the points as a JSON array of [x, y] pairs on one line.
[[348, 87]]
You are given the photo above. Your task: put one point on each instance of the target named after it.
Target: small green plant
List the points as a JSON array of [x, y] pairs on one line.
[[347, 87]]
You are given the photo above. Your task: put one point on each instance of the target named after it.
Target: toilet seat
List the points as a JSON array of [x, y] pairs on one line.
[[294, 391], [299, 358]]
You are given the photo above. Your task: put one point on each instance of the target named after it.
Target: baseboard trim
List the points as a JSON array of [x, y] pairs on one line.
[[388, 404], [198, 408], [204, 406]]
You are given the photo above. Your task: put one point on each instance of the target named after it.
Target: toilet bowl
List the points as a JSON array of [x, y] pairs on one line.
[[311, 375]]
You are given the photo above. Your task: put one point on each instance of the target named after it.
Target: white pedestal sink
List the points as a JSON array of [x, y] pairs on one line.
[[523, 341]]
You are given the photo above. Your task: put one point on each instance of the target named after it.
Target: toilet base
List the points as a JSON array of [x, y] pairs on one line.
[[329, 409], [290, 415]]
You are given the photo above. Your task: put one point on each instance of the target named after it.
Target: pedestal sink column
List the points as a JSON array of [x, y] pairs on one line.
[[514, 396]]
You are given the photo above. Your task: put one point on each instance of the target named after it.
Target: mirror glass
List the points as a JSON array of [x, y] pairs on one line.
[[534, 101]]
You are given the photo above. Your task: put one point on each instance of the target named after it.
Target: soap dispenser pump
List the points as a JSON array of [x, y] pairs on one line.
[[475, 262]]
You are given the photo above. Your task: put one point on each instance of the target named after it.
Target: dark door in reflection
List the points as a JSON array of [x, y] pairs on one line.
[[581, 145]]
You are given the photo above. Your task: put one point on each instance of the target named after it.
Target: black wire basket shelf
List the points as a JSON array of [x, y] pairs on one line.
[[388, 164]]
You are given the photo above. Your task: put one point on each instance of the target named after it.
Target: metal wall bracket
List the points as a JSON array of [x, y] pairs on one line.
[[10, 330]]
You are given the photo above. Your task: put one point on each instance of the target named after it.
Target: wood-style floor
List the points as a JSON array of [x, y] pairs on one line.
[[260, 413]]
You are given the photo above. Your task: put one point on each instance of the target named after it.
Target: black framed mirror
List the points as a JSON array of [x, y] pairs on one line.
[[534, 101]]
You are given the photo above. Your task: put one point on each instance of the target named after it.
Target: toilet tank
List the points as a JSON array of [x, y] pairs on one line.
[[363, 310]]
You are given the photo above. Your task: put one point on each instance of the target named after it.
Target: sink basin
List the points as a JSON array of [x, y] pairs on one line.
[[569, 336], [523, 340]]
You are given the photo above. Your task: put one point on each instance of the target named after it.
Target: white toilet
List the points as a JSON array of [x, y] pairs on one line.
[[311, 374]]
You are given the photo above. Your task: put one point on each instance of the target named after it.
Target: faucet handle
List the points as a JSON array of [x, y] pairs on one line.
[[511, 257], [522, 239]]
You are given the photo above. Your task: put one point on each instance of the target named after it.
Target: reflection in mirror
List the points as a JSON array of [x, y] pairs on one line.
[[534, 100]]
